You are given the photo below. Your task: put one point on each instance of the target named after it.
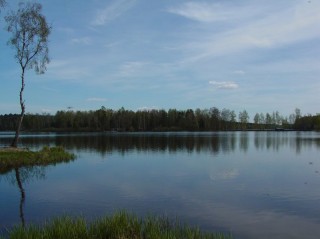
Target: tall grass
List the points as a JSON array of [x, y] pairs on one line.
[[10, 159], [121, 225]]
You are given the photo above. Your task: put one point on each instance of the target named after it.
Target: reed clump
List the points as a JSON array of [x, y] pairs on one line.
[[121, 225]]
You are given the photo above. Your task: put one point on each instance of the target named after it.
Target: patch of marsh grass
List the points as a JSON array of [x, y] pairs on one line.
[[121, 225], [11, 159]]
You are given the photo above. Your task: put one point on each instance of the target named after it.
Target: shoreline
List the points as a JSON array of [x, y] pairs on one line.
[[13, 149]]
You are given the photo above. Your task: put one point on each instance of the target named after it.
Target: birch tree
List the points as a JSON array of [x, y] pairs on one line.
[[29, 39]]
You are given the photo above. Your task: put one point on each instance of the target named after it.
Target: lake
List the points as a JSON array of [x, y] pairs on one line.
[[250, 184]]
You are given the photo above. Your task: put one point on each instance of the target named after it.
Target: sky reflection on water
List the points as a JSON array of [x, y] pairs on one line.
[[253, 184]]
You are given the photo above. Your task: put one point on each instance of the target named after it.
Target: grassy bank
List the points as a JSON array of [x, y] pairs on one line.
[[11, 158], [121, 225]]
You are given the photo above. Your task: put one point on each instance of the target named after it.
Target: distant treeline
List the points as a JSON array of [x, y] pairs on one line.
[[309, 122], [104, 119]]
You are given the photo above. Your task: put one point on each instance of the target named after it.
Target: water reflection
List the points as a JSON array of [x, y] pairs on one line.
[[262, 185], [20, 176], [23, 196], [173, 142]]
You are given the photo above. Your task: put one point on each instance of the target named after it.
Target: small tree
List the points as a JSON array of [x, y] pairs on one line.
[[244, 118], [29, 39], [256, 119], [298, 113]]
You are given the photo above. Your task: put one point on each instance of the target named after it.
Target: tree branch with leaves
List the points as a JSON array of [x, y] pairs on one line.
[[2, 3]]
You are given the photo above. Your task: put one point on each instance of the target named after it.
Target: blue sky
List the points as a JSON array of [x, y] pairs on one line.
[[257, 55]]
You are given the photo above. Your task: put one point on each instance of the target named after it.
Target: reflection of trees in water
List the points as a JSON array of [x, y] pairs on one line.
[[306, 142], [271, 140], [21, 176], [244, 141], [192, 143], [277, 140], [140, 142], [27, 174]]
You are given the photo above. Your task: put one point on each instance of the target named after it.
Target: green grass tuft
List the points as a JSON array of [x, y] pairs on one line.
[[121, 225], [12, 159]]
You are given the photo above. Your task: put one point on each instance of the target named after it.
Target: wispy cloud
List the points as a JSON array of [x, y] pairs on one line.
[[112, 11], [71, 69], [202, 12], [132, 68], [225, 85], [82, 40], [279, 26], [212, 12]]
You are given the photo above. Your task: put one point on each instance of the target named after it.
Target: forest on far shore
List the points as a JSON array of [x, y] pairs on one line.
[[123, 120]]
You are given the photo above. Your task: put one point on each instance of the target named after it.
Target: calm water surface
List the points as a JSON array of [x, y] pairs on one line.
[[252, 184]]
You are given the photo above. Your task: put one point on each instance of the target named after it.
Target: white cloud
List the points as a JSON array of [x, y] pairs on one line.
[[226, 85], [112, 11]]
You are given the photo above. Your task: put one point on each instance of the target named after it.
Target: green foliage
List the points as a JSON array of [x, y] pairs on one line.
[[29, 37], [11, 158], [121, 225], [308, 122], [145, 120]]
